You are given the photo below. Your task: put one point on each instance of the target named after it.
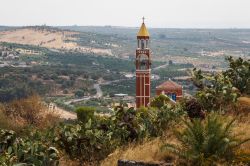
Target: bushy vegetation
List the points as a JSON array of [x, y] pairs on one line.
[[28, 111], [99, 136], [239, 74], [216, 91], [24, 139], [84, 142], [33, 149], [159, 101], [16, 87], [203, 138], [208, 142], [213, 140], [84, 114], [194, 109], [220, 91], [88, 140]]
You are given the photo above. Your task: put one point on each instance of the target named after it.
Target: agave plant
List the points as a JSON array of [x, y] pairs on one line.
[[207, 142]]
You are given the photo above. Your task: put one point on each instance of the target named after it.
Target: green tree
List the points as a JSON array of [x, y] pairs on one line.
[[84, 114], [159, 101], [239, 73], [79, 93], [215, 91]]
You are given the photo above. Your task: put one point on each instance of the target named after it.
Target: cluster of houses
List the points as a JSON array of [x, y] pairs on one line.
[[8, 54], [11, 57]]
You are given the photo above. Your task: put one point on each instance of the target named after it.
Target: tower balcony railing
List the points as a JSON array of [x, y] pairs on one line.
[[146, 48]]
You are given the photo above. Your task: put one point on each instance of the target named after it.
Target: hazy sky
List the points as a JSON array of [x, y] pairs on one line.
[[158, 13]]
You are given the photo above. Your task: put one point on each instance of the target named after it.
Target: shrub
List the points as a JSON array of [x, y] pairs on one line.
[[194, 109], [207, 142], [125, 125], [239, 73], [159, 101], [79, 93], [85, 142], [168, 116], [30, 150], [85, 113], [29, 109], [215, 91], [146, 118], [5, 122], [130, 124]]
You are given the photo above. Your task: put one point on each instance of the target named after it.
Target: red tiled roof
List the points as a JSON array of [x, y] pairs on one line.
[[171, 85]]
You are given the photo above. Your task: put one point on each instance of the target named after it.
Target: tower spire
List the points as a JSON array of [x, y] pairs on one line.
[[143, 32]]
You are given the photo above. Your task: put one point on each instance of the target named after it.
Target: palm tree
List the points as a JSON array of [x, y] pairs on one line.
[[207, 142]]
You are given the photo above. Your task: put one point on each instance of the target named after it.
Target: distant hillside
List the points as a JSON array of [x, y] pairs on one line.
[[201, 47], [48, 37], [179, 42], [3, 28], [44, 37]]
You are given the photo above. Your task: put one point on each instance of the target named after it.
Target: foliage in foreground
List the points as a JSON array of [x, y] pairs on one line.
[[216, 92], [92, 138], [99, 136], [220, 91], [89, 139], [194, 109], [85, 113], [239, 73], [29, 111], [84, 141], [160, 101], [208, 142], [29, 150]]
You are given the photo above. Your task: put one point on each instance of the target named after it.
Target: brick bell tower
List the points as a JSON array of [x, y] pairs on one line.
[[143, 67]]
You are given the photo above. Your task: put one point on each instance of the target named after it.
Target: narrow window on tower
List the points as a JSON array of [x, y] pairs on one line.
[[142, 44], [143, 62]]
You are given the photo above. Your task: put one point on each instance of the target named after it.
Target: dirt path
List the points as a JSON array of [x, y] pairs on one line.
[[65, 114], [160, 67], [98, 91]]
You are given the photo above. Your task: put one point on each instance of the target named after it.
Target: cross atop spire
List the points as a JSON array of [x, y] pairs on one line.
[[143, 18], [143, 32]]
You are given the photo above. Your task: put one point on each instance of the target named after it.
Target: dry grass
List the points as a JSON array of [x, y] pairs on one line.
[[244, 105], [65, 161], [44, 38], [28, 111], [243, 127], [148, 151], [7, 123], [244, 101], [38, 37]]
